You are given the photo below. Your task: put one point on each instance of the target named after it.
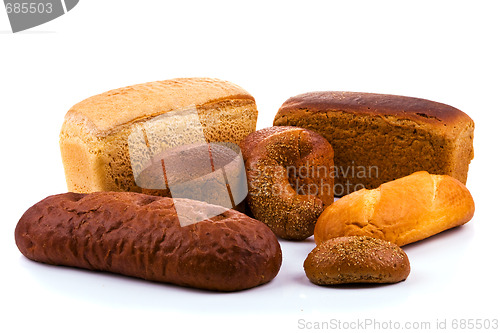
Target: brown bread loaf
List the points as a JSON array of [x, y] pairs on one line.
[[139, 235], [378, 138], [403, 211], [290, 178], [208, 172], [106, 139], [356, 259]]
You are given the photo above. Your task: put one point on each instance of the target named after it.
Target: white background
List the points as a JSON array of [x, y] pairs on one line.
[[447, 51]]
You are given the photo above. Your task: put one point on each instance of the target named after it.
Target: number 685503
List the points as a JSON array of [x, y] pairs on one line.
[[29, 8]]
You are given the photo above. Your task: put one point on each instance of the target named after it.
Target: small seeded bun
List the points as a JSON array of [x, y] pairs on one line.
[[356, 259]]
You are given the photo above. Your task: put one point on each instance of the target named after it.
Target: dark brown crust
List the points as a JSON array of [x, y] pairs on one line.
[[356, 259], [417, 109], [139, 235], [379, 138], [255, 138], [274, 197]]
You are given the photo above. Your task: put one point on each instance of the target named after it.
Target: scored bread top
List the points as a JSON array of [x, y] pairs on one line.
[[417, 109], [103, 113]]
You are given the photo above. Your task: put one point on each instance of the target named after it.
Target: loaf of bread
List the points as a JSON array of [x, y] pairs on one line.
[[290, 178], [378, 138], [402, 211], [140, 235], [108, 139], [209, 172], [356, 259]]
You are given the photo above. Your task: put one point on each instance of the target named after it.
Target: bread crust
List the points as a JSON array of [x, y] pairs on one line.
[[210, 172], [139, 235], [289, 174], [356, 259], [97, 133], [378, 138], [106, 113], [403, 211], [417, 109]]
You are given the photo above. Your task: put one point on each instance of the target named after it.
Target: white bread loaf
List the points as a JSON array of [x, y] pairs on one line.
[[402, 211], [99, 133]]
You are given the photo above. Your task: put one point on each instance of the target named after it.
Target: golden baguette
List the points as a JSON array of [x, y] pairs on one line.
[[402, 211]]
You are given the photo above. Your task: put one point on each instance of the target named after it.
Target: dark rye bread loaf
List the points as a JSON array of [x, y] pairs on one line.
[[379, 138], [139, 235]]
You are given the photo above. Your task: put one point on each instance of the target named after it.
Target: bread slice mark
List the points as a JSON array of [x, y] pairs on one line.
[[165, 180], [211, 158], [224, 175], [372, 199], [435, 180], [148, 145]]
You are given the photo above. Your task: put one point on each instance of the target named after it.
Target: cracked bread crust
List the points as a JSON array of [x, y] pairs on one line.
[[139, 235]]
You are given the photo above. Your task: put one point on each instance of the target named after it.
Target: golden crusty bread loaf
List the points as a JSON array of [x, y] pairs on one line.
[[356, 259], [99, 133], [378, 138], [403, 211]]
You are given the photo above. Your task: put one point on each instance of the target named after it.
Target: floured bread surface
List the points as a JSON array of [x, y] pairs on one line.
[[99, 133]]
